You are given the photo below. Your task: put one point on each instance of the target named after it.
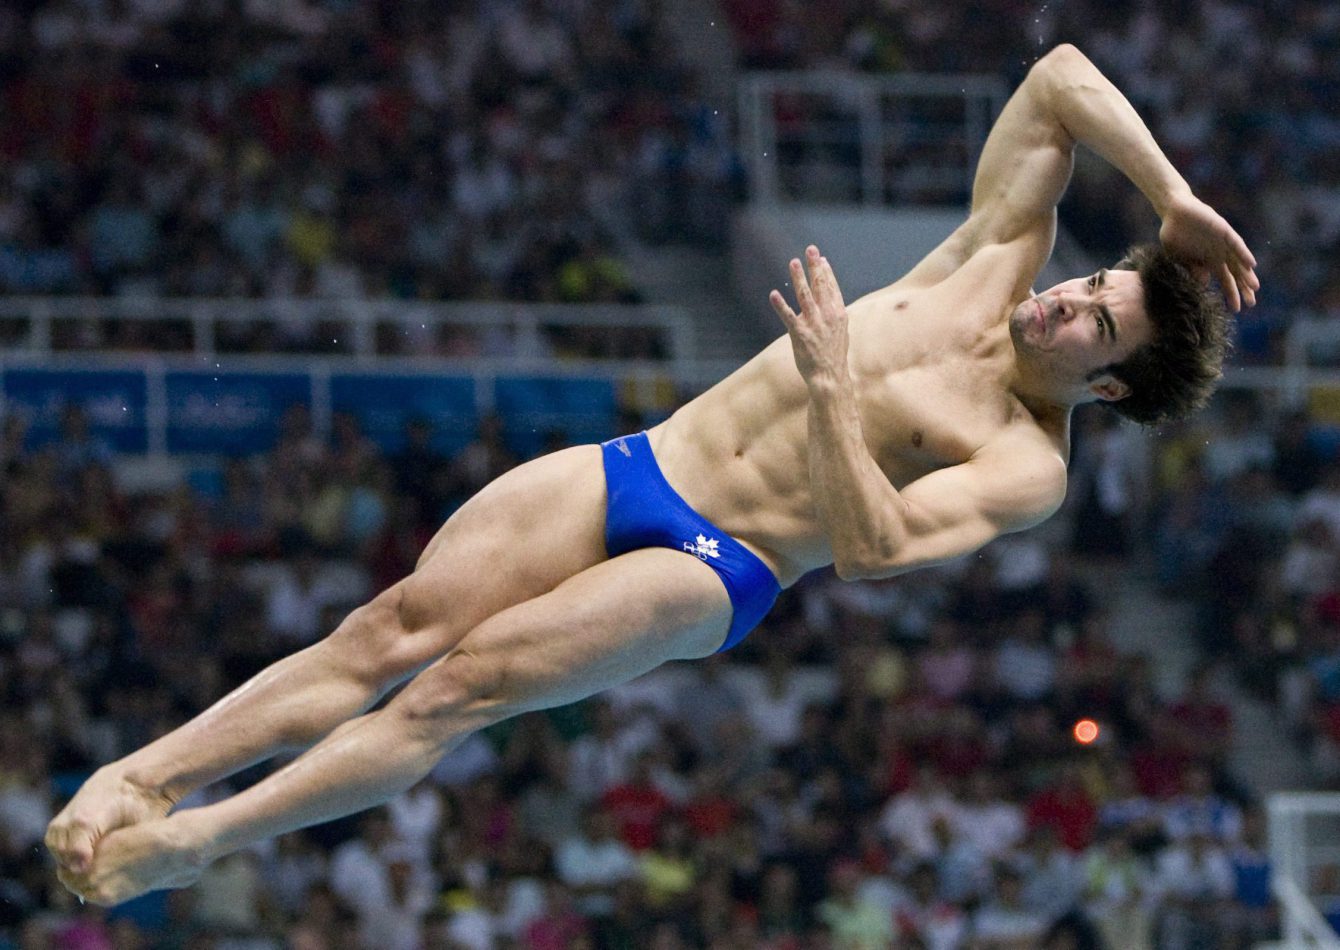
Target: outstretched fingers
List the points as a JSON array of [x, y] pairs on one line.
[[782, 308], [1229, 284], [816, 290], [798, 279], [1239, 282], [831, 279], [1239, 271], [1248, 282], [804, 297]]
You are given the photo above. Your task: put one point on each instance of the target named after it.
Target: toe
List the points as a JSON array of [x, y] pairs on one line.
[[75, 849]]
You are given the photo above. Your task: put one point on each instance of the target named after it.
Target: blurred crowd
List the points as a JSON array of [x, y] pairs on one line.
[[454, 150], [888, 764], [1245, 522], [421, 150], [497, 151]]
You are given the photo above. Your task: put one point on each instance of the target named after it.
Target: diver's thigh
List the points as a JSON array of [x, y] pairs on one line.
[[519, 537]]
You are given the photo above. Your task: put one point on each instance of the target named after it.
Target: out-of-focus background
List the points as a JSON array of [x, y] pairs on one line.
[[282, 283]]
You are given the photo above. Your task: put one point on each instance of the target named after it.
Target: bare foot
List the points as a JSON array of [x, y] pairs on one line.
[[135, 859], [107, 801]]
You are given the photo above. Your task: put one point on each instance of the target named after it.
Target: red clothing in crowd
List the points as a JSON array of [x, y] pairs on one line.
[[1067, 808], [638, 810]]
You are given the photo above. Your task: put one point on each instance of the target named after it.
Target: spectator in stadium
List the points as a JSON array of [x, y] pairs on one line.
[[1193, 880], [1117, 888], [852, 923], [1004, 922], [593, 863]]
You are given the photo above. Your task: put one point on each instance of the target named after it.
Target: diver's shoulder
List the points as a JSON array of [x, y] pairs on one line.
[[1036, 433]]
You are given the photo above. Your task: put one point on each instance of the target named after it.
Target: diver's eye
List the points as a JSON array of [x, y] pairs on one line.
[[1099, 322], [1092, 281]]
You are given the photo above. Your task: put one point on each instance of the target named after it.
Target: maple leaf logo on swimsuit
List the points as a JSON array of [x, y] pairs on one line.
[[703, 547]]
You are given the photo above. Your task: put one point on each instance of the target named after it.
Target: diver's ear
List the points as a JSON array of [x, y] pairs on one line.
[[1109, 389]]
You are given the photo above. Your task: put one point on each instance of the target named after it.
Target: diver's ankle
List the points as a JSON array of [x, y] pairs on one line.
[[143, 783]]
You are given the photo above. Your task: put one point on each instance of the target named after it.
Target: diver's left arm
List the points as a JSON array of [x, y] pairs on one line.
[[1026, 163], [1092, 111]]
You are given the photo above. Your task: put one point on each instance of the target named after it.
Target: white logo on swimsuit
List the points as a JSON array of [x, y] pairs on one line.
[[702, 547], [622, 446]]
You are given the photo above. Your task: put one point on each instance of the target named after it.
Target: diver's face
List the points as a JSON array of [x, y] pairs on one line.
[[1079, 326]]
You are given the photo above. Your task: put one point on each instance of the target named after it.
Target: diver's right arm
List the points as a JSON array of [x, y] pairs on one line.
[[873, 529]]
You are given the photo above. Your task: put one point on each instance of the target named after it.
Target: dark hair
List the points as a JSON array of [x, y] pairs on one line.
[[1174, 373]]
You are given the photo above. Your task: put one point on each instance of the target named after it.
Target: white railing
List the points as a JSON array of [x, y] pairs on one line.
[[910, 138], [1310, 341], [357, 328], [1304, 837], [147, 368], [165, 394]]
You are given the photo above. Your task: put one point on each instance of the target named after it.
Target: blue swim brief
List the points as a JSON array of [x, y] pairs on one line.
[[643, 511]]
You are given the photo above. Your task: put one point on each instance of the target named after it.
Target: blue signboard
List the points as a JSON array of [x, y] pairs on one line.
[[383, 404], [232, 413], [585, 410], [113, 402]]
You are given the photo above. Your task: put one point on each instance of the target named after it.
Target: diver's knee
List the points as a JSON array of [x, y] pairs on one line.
[[376, 644], [462, 687]]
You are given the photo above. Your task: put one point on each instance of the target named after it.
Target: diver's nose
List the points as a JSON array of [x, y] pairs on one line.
[[1065, 308]]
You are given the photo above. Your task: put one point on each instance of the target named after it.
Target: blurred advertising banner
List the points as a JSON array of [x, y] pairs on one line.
[[383, 405], [536, 410], [157, 407], [113, 404], [234, 413]]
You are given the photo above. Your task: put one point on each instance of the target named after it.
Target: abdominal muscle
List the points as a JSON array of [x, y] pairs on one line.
[[738, 455]]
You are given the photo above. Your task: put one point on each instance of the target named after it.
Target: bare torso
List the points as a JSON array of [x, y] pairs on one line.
[[926, 367]]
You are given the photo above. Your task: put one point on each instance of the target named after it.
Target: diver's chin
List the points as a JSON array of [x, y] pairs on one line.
[[1023, 332]]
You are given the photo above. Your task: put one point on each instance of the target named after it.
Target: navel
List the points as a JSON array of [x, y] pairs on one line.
[[916, 438]]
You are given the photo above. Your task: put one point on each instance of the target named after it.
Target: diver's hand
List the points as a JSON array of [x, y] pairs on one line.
[[819, 331], [1200, 238]]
